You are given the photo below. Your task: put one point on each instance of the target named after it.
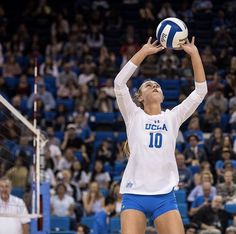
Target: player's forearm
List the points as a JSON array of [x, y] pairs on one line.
[[199, 73]]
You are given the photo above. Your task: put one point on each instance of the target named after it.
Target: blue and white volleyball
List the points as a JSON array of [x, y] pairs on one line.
[[172, 32]]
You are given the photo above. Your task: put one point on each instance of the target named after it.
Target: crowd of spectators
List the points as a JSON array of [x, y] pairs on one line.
[[79, 47]]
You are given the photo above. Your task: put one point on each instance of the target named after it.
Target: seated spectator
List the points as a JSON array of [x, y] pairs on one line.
[[149, 68], [201, 200], [191, 228], [82, 229], [100, 176], [101, 219], [218, 101], [212, 218], [71, 138], [67, 160], [202, 6], [62, 204], [95, 38], [220, 164], [209, 60], [227, 189], [104, 152], [147, 14], [205, 176], [80, 175], [18, 174], [103, 103], [66, 75], [185, 175], [116, 195], [109, 89], [23, 88], [194, 155], [68, 90], [166, 11], [11, 68], [93, 200], [43, 95], [49, 67]]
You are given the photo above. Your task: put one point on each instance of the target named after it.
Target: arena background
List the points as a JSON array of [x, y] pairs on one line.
[[80, 46]]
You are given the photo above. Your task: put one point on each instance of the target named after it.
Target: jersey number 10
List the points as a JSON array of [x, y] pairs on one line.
[[155, 140]]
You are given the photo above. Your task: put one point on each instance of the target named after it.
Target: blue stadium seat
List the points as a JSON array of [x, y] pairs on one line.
[[62, 232], [11, 82], [118, 168], [68, 103], [115, 225], [100, 136], [100, 117], [17, 191], [183, 210], [121, 136], [170, 84], [60, 223], [59, 135], [169, 104], [231, 208], [88, 221], [180, 196], [171, 94]]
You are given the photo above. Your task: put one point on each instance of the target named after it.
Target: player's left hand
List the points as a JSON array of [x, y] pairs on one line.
[[189, 47]]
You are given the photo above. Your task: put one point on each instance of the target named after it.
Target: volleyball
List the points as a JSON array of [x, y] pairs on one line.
[[172, 32]]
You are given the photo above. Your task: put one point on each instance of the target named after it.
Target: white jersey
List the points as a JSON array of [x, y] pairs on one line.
[[151, 167], [15, 207]]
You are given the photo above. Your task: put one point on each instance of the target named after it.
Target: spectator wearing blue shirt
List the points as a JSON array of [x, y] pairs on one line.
[[201, 200], [101, 219]]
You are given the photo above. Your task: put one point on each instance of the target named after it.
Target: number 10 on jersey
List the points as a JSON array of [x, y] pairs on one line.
[[155, 140]]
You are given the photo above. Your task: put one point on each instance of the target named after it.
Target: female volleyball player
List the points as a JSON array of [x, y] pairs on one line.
[[151, 173]]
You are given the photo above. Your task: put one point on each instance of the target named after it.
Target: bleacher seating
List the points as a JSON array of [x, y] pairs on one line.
[[60, 223]]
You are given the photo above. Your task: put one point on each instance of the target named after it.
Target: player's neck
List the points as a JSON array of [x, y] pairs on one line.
[[153, 109]]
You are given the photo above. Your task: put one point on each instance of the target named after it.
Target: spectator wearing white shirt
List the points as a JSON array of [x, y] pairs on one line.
[[14, 208]]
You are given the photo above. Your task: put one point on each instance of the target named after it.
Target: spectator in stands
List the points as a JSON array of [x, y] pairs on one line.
[[201, 200], [218, 101], [67, 159], [209, 60], [147, 14], [18, 174], [94, 38], [11, 67], [66, 75], [202, 6], [88, 69], [85, 97], [43, 95], [205, 177], [80, 175], [109, 89], [227, 189], [68, 90], [212, 218], [82, 229], [93, 200], [214, 144], [105, 151], [212, 118], [23, 88], [100, 176], [215, 84], [62, 204], [194, 155], [115, 194], [230, 230], [220, 164], [103, 103], [166, 11], [185, 175], [149, 68], [12, 206], [101, 218], [71, 138], [191, 228]]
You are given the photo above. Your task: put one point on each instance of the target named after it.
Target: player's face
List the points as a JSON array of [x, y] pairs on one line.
[[151, 90]]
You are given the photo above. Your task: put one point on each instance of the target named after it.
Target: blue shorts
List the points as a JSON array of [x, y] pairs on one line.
[[151, 205]]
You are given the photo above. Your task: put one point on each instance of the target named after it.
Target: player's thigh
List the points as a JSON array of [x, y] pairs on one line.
[[133, 221], [169, 223]]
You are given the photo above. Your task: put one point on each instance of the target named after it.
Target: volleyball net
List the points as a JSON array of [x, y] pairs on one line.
[[21, 160]]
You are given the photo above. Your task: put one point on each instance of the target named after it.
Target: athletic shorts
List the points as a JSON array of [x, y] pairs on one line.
[[151, 205]]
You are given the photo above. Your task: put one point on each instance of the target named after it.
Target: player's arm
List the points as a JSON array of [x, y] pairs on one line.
[[190, 104], [124, 100]]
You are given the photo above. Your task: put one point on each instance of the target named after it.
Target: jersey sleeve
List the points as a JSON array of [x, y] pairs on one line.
[[124, 100], [184, 110]]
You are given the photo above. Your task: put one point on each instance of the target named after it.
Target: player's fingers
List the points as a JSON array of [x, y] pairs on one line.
[[155, 42], [193, 40], [187, 41], [149, 40]]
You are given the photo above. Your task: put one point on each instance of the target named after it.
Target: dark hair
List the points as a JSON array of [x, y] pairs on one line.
[[85, 228], [59, 185], [109, 201]]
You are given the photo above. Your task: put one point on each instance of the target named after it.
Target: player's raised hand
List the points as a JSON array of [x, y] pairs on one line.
[[151, 47], [189, 47]]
